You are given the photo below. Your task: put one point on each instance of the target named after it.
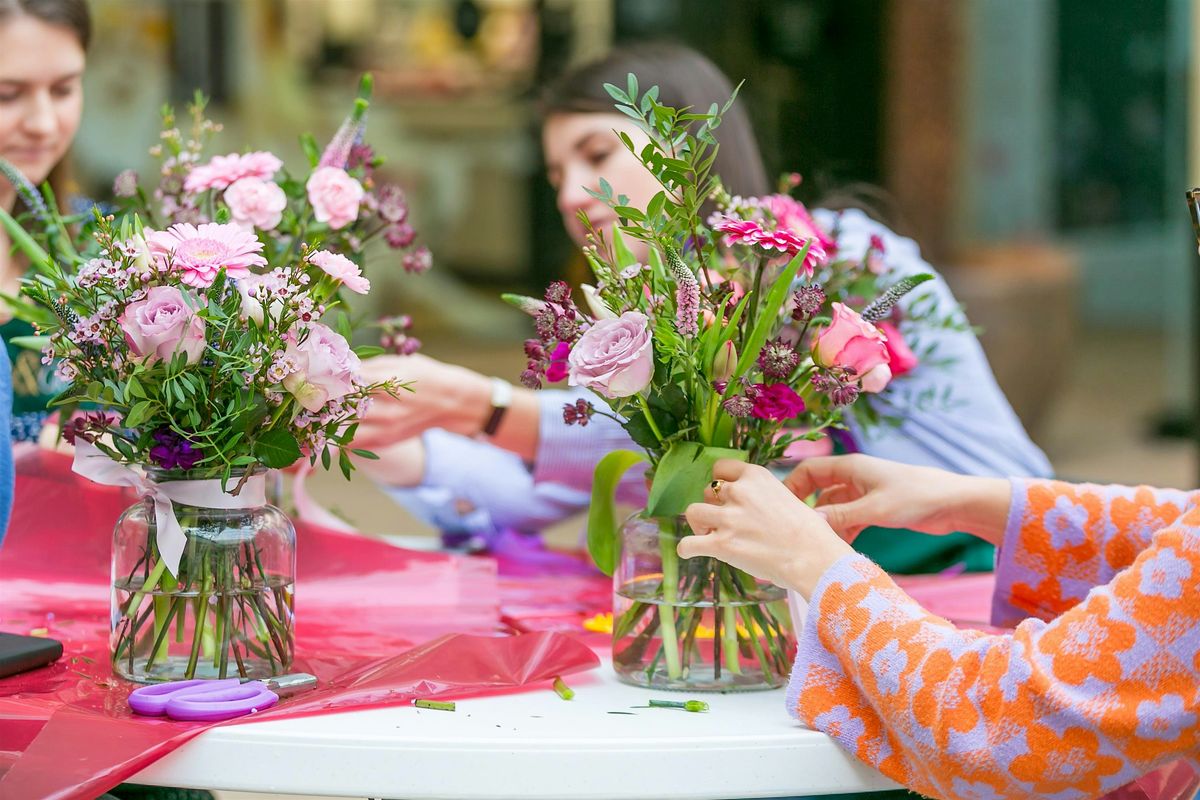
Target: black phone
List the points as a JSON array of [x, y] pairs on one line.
[[22, 653]]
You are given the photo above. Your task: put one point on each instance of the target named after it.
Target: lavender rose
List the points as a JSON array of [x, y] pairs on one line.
[[326, 368], [161, 324], [615, 357]]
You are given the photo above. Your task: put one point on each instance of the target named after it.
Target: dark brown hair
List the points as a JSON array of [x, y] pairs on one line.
[[75, 16], [684, 79]]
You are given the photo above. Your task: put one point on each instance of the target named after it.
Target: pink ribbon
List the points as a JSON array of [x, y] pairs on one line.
[[96, 466]]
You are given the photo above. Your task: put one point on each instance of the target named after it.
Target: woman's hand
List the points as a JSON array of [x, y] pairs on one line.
[[753, 522], [858, 491], [444, 396]]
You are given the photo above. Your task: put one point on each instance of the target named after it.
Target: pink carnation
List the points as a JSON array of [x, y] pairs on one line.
[[223, 171], [255, 203], [342, 270], [200, 253], [776, 401], [335, 196]]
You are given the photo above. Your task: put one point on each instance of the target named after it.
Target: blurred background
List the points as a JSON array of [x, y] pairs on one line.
[[1038, 150]]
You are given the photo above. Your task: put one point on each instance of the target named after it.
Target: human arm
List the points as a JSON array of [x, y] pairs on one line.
[[1080, 705], [1051, 708]]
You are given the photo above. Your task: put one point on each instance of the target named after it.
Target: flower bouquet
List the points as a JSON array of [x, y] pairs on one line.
[[735, 339], [202, 325]]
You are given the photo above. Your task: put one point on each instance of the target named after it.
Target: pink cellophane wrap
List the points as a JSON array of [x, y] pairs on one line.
[[376, 624]]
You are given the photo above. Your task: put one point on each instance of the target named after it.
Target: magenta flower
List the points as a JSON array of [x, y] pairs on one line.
[[776, 401], [558, 368], [342, 270], [222, 171], [201, 252], [791, 215], [739, 231]]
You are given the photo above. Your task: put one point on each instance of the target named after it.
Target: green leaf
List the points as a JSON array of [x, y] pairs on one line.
[[602, 514], [682, 474], [367, 454], [311, 150], [277, 449], [24, 242], [138, 414], [369, 350], [768, 315], [30, 342]]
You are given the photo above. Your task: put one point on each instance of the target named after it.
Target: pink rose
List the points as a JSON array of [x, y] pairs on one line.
[[326, 368], [342, 270], [614, 357], [776, 401], [901, 358], [162, 324], [223, 171], [255, 203], [851, 342], [877, 379], [334, 196], [558, 363]]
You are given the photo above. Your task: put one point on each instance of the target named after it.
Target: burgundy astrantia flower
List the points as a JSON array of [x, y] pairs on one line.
[[776, 401], [89, 427], [173, 451]]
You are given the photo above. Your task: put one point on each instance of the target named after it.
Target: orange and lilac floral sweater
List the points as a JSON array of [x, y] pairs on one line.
[[1098, 683]]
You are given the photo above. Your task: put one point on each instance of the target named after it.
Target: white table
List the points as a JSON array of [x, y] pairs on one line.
[[529, 745]]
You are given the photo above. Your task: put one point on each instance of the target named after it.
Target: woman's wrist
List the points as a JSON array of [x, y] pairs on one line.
[[982, 507], [805, 569]]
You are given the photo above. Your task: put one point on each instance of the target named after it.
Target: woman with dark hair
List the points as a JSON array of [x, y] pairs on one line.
[[469, 486], [43, 46]]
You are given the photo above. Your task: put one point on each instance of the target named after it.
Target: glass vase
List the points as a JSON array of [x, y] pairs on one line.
[[694, 624], [227, 612]]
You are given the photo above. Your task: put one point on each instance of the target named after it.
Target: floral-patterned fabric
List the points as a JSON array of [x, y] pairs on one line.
[[1098, 684]]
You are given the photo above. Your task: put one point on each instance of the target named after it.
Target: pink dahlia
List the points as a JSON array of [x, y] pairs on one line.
[[200, 253], [342, 270], [224, 170]]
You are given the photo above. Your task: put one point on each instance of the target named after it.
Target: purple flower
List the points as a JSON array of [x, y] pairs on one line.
[[126, 183], [739, 406], [400, 236], [578, 413], [777, 360], [418, 261], [173, 451], [807, 301], [393, 205]]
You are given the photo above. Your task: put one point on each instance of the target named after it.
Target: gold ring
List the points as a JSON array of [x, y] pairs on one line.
[[716, 489]]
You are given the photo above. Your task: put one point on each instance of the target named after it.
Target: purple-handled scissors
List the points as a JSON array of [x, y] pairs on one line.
[[214, 700]]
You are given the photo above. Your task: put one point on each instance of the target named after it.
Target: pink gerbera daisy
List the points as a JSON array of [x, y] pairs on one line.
[[739, 231], [200, 253], [223, 171]]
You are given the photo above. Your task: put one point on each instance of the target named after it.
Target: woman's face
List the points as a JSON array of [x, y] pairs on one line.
[[580, 149], [41, 93]]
